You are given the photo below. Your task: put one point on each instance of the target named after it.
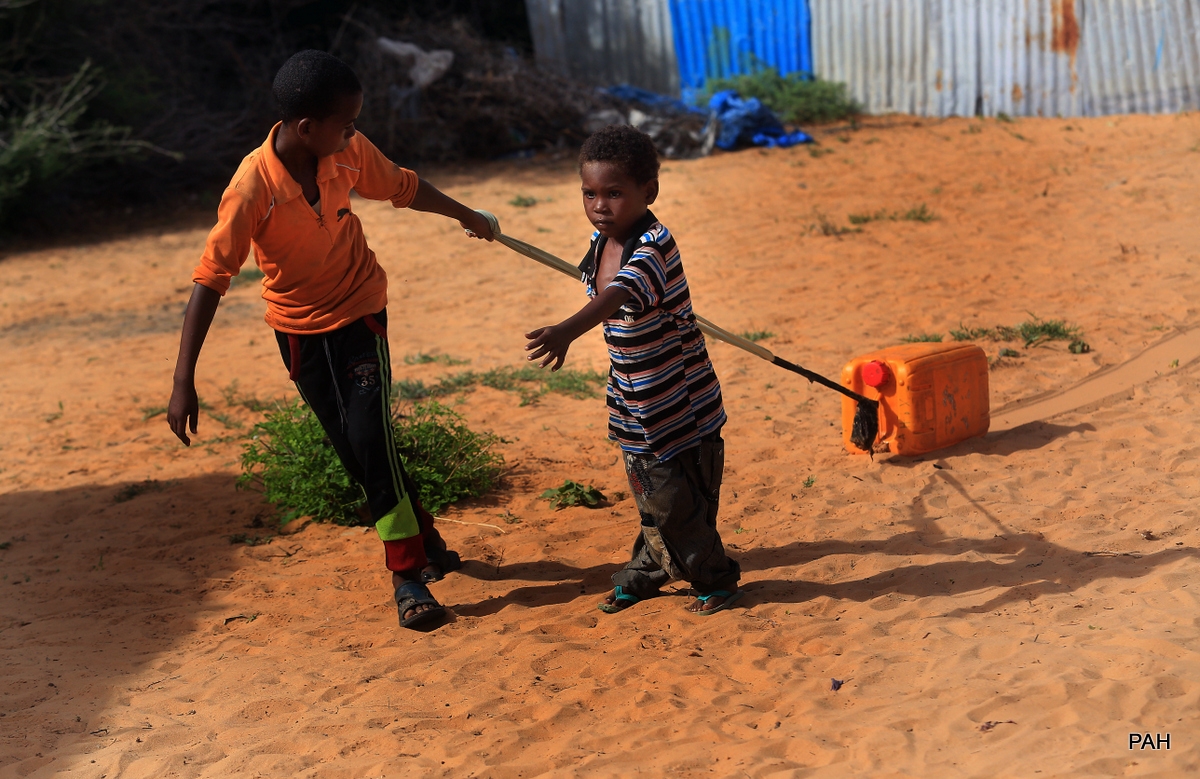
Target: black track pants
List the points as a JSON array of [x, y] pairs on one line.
[[345, 378]]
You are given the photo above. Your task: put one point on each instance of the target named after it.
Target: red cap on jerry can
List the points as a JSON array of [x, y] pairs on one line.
[[875, 374]]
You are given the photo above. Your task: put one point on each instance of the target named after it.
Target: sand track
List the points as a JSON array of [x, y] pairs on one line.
[[1177, 350]]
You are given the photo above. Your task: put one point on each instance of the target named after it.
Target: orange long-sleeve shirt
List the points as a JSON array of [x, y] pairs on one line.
[[320, 273]]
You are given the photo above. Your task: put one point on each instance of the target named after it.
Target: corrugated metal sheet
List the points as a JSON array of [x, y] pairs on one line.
[[1029, 57], [1019, 57], [1140, 56], [925, 57], [720, 38], [606, 42], [911, 56]]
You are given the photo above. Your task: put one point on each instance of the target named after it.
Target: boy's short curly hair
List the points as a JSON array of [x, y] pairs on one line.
[[310, 83], [625, 146]]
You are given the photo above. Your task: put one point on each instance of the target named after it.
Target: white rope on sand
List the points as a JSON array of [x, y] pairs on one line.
[[460, 522]]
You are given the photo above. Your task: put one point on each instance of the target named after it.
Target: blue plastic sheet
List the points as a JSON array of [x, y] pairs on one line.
[[745, 122]]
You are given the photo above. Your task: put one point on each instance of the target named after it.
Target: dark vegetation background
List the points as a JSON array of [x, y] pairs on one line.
[[123, 106]]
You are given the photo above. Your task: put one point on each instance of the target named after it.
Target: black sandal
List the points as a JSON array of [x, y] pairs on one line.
[[412, 594], [440, 563]]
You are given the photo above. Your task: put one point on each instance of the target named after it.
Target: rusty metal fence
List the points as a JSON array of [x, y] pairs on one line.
[[924, 57]]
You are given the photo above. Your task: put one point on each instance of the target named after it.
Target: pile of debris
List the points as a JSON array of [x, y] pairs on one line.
[[679, 131], [440, 92]]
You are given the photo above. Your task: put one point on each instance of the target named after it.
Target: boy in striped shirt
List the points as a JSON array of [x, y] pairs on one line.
[[664, 400]]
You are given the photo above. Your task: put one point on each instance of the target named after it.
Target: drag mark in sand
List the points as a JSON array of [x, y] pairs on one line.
[[1173, 352]]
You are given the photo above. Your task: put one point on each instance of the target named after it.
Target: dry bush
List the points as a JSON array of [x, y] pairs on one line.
[[490, 103]]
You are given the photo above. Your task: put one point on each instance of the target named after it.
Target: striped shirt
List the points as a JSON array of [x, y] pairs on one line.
[[663, 395]]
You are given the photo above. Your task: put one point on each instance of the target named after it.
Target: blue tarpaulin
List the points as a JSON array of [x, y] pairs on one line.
[[748, 121]]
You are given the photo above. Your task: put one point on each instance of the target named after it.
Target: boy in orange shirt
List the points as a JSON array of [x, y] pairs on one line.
[[326, 296]]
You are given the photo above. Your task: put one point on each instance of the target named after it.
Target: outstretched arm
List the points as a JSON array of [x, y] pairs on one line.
[[553, 342], [185, 406], [430, 198]]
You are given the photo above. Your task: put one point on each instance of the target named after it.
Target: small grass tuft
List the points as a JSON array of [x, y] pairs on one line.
[[229, 422], [528, 381], [56, 415], [421, 358], [919, 213], [1033, 331], [523, 201], [964, 333], [573, 493], [131, 491], [922, 338], [249, 540], [757, 335], [1036, 331], [827, 227]]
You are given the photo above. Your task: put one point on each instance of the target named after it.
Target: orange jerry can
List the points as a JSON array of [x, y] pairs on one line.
[[930, 395]]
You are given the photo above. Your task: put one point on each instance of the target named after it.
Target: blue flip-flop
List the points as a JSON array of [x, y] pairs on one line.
[[730, 599], [619, 597]]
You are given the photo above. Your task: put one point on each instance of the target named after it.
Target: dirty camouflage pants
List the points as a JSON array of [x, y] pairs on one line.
[[677, 500]]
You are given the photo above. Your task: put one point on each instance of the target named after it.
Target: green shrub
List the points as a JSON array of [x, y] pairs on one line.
[[922, 338], [290, 460], [797, 98], [45, 140], [446, 459]]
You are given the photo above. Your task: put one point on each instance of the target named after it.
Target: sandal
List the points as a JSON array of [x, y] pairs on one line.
[[412, 594], [440, 563], [730, 599], [621, 601]]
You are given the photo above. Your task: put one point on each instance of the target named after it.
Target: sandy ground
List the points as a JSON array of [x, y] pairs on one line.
[[1016, 605]]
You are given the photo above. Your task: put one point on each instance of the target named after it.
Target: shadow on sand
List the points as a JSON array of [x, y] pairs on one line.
[[100, 583], [1032, 566]]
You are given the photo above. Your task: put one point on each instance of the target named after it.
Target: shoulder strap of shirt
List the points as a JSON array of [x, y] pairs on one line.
[[588, 266]]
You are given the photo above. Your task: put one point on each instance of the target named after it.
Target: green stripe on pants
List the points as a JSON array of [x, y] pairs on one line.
[[399, 523]]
